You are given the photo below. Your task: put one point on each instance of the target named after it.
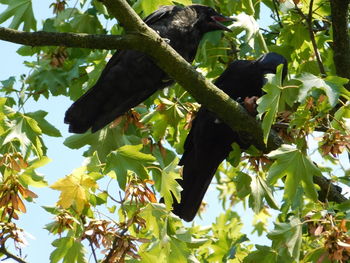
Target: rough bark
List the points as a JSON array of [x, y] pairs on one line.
[[142, 38], [80, 40], [341, 37]]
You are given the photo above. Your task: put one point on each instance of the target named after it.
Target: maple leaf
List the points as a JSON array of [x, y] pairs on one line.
[[269, 103], [74, 188], [170, 188], [298, 169]]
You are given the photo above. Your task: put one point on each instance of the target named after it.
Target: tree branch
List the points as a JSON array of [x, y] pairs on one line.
[[308, 19], [204, 91], [329, 191], [199, 87], [341, 38], [277, 14], [4, 251], [81, 40], [142, 38]]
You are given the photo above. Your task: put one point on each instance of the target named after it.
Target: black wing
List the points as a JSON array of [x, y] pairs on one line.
[[207, 145], [136, 78], [161, 13], [209, 140]]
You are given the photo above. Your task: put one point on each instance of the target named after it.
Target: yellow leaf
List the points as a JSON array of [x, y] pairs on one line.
[[74, 188]]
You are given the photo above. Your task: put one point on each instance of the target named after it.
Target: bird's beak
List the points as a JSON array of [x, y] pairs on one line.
[[218, 19]]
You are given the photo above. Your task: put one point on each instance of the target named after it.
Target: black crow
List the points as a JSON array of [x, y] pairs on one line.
[[209, 140], [130, 77]]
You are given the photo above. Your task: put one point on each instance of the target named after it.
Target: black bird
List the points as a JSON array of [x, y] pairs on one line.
[[130, 77], [209, 140]]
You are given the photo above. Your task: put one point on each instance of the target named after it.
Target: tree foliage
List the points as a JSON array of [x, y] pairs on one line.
[[139, 151]]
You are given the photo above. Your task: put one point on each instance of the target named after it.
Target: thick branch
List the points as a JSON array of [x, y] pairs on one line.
[[143, 38], [329, 191], [341, 38], [81, 40], [199, 87]]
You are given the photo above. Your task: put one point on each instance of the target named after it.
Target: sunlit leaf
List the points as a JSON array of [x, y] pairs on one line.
[[288, 236], [330, 85], [128, 158], [170, 188], [269, 103], [20, 11], [74, 189], [297, 168]]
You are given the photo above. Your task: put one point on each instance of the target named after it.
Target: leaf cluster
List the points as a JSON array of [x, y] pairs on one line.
[[108, 206]]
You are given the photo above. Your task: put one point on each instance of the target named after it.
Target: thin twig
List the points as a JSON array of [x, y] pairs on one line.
[[283, 125], [268, 31], [278, 16], [8, 254], [93, 250], [308, 20]]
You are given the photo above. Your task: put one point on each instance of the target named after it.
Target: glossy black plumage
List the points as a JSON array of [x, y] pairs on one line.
[[130, 77], [209, 140]]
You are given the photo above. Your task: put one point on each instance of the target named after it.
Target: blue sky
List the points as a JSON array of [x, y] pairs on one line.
[[64, 160]]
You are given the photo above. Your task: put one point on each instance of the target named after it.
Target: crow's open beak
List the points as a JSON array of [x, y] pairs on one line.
[[219, 19]]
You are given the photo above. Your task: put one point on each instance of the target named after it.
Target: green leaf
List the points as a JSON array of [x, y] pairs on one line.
[[69, 250], [340, 117], [17, 133], [75, 253], [53, 79], [269, 103], [227, 236], [44, 125], [103, 142], [86, 23], [128, 158], [234, 157], [62, 245], [248, 24], [287, 236], [7, 85], [259, 190], [28, 50], [183, 2], [178, 252], [2, 115], [154, 215], [262, 254], [149, 6], [297, 168], [330, 85], [154, 255], [243, 182], [257, 194], [170, 188], [31, 177], [22, 12], [316, 254]]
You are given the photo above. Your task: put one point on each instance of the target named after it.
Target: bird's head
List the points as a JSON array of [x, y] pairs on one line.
[[210, 20], [269, 62]]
